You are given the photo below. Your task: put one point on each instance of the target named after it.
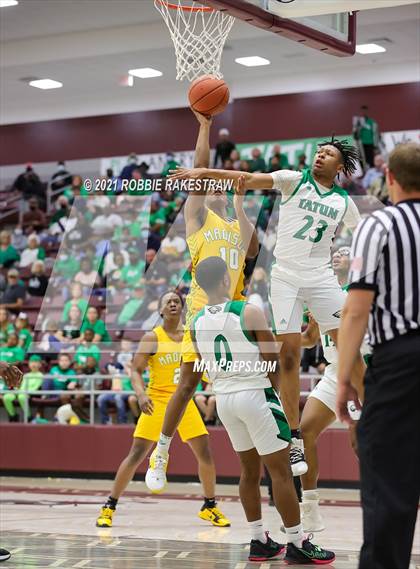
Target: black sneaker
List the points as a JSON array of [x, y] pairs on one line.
[[297, 457], [259, 551], [308, 553], [4, 555]]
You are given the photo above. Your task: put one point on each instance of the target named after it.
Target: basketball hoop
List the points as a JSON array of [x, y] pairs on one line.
[[198, 33]]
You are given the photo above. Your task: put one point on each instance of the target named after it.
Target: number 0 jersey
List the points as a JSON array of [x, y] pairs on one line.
[[164, 365], [308, 219], [230, 356], [220, 238]]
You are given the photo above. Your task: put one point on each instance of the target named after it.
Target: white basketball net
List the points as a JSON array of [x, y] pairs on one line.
[[198, 37]]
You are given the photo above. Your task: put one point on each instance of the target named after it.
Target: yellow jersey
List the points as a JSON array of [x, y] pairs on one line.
[[217, 238], [164, 365]]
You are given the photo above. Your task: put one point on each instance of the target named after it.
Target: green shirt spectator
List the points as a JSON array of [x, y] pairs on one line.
[[368, 131], [63, 377], [66, 266], [31, 381], [81, 304], [12, 354], [93, 321], [86, 350], [8, 255], [132, 274], [5, 330], [171, 164]]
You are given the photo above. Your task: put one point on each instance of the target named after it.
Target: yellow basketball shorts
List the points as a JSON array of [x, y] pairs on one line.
[[150, 426]]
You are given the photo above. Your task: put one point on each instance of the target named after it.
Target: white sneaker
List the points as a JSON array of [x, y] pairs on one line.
[[297, 457], [156, 473], [311, 516]]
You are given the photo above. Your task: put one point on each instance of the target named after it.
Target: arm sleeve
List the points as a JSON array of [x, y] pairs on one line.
[[367, 247], [352, 216], [286, 180]]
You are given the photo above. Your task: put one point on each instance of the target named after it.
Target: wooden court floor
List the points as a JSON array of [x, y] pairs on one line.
[[51, 523]]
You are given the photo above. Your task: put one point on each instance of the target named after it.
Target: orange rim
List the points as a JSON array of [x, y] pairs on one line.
[[186, 8]]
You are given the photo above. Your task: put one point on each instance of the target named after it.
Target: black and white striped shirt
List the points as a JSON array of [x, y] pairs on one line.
[[386, 259]]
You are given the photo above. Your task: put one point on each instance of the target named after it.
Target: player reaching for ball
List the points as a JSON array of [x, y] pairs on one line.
[[160, 350], [311, 208], [226, 335]]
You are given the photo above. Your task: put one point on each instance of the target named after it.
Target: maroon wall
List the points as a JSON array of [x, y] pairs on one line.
[[301, 115], [100, 449]]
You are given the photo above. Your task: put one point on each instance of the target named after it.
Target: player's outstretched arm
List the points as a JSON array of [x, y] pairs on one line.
[[256, 325], [146, 348], [252, 181], [194, 206]]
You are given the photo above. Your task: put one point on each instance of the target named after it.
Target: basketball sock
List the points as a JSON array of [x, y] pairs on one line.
[[295, 433], [295, 535], [209, 503], [164, 444], [310, 495], [257, 531], [111, 503]]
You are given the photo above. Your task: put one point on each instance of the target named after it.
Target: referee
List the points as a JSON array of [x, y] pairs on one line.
[[384, 294]]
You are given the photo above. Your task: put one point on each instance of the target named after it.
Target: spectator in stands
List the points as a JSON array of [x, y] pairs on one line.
[[126, 172], [378, 188], [174, 246], [23, 330], [156, 274], [274, 164], [223, 148], [61, 177], [134, 271], [113, 279], [62, 209], [75, 300], [105, 221], [14, 294], [257, 163], [38, 281], [109, 263], [69, 332], [170, 164], [79, 233], [6, 325], [50, 342], [120, 386], [8, 254], [137, 309], [12, 353], [228, 164], [244, 166], [93, 322], [366, 131], [302, 164], [19, 239], [32, 252], [236, 159], [373, 173], [34, 219], [283, 162], [86, 277], [206, 403], [62, 379], [32, 381], [29, 184], [86, 349]]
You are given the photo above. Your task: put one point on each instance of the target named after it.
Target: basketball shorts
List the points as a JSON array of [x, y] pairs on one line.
[[254, 418], [326, 392], [150, 426], [288, 297]]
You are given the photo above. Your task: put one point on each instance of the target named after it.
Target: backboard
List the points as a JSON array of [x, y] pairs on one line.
[[326, 25]]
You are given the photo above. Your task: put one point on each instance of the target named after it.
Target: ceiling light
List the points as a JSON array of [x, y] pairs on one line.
[[45, 84], [4, 3], [367, 48], [253, 61], [145, 72]]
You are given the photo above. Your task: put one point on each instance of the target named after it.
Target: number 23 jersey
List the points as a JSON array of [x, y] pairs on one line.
[[309, 215]]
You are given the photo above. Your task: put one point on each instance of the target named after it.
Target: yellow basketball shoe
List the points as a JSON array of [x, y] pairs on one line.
[[214, 516], [156, 473], [105, 518]]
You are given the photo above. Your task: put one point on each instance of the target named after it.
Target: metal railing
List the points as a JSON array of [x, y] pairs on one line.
[[92, 392]]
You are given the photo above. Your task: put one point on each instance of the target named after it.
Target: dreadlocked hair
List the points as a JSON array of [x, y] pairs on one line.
[[349, 153]]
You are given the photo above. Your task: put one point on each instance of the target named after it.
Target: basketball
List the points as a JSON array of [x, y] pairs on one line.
[[208, 95]]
